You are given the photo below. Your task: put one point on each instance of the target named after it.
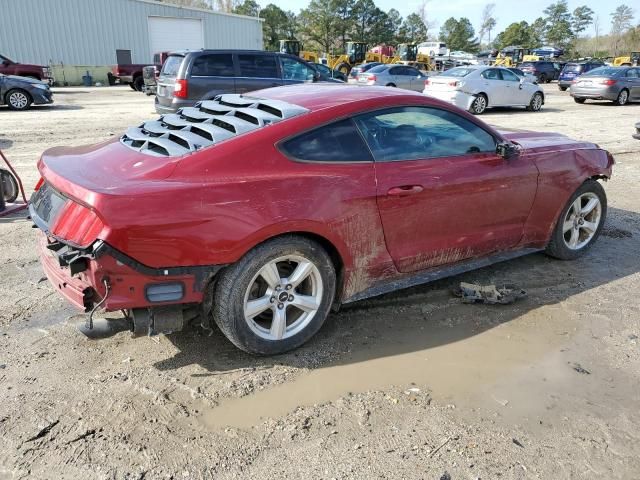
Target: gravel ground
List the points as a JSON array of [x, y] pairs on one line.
[[409, 385]]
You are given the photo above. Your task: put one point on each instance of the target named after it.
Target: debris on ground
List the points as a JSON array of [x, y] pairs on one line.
[[580, 369], [43, 431], [491, 294], [517, 442]]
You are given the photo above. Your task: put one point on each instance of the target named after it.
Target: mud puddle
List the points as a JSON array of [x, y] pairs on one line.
[[451, 356]]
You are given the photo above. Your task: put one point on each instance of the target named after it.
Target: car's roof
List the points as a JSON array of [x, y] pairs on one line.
[[319, 96]]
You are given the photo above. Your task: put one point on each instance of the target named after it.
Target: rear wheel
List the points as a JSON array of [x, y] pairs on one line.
[[132, 86], [623, 97], [344, 67], [18, 99], [479, 105], [536, 102], [579, 100], [10, 188], [562, 89], [580, 222], [543, 78], [138, 82], [390, 85], [276, 297]]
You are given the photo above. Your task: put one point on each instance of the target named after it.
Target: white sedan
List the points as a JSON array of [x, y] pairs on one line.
[[476, 88]]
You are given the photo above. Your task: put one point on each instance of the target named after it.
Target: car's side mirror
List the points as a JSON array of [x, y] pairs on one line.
[[506, 150]]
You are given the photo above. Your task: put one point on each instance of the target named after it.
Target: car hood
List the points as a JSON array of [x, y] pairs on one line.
[[543, 141], [107, 168], [17, 78]]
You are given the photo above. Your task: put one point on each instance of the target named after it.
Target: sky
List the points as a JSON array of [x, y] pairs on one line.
[[506, 11]]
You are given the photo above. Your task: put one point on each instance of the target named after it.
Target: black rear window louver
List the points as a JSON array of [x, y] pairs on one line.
[[207, 123]]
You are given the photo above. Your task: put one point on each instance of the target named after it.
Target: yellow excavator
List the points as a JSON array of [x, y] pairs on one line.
[[631, 60], [294, 47], [512, 56]]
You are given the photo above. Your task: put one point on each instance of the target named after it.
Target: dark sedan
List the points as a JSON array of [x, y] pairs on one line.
[[19, 93], [617, 84]]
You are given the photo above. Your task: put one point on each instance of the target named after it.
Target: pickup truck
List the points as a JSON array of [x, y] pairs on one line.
[[131, 74], [9, 67]]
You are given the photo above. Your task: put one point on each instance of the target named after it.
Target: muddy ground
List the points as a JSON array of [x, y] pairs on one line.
[[409, 385]]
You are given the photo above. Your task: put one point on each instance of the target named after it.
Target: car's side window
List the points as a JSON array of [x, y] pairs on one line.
[[491, 74], [509, 76], [213, 65], [411, 133], [258, 66], [337, 142], [395, 71], [632, 73], [293, 69]]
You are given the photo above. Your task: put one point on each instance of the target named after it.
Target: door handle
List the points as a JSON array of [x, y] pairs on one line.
[[404, 190]]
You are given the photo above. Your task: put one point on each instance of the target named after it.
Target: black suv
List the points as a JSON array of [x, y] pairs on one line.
[[543, 70], [190, 76]]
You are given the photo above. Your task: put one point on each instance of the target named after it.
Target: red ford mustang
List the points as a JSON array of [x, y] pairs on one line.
[[265, 210]]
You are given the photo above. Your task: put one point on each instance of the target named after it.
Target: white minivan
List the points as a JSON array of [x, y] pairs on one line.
[[432, 49]]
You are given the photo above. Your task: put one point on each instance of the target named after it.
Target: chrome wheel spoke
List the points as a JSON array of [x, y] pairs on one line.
[[257, 306], [271, 275], [575, 235], [577, 206], [279, 323], [590, 227], [306, 303], [567, 225], [302, 271], [588, 208]]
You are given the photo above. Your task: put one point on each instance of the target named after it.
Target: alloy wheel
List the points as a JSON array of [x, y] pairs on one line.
[[480, 104], [18, 100], [581, 221], [623, 97], [536, 103], [283, 297]]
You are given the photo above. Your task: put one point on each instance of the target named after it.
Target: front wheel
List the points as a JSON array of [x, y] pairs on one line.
[[543, 78], [138, 83], [479, 105], [562, 89], [623, 98], [536, 102], [10, 187], [18, 99], [580, 222], [579, 100], [344, 68], [276, 297]]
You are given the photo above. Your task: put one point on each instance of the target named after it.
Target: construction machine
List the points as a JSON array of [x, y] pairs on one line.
[[408, 54], [356, 53], [631, 60], [512, 56], [294, 47]]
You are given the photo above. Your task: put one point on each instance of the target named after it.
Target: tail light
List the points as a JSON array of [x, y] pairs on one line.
[[608, 82], [372, 78], [426, 82], [77, 225], [38, 185], [180, 89]]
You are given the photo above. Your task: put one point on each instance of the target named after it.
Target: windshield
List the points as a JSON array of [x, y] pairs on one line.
[[458, 72], [603, 72], [171, 66]]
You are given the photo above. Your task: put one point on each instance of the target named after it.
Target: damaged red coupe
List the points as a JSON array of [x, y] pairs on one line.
[[265, 210]]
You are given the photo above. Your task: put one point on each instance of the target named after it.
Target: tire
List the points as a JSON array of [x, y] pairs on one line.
[[543, 78], [536, 102], [10, 187], [479, 105], [390, 85], [132, 85], [579, 100], [562, 89], [560, 246], [623, 97], [18, 99], [344, 68], [138, 82], [237, 285]]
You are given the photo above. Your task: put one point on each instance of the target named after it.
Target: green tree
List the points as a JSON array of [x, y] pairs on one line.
[[581, 19], [248, 7], [320, 24], [558, 20], [274, 26], [537, 32], [459, 35], [519, 34], [413, 29], [488, 22], [620, 22], [395, 24]]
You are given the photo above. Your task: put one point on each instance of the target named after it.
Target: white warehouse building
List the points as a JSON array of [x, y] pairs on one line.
[[96, 34]]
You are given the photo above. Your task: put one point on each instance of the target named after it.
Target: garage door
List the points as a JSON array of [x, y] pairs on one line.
[[172, 33]]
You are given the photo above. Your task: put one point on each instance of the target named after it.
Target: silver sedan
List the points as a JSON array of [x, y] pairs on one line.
[[617, 84], [394, 75]]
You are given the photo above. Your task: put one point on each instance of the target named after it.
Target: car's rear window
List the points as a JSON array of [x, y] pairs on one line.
[[527, 64], [368, 66], [457, 72], [172, 65], [572, 67], [377, 69], [336, 142], [603, 72]]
